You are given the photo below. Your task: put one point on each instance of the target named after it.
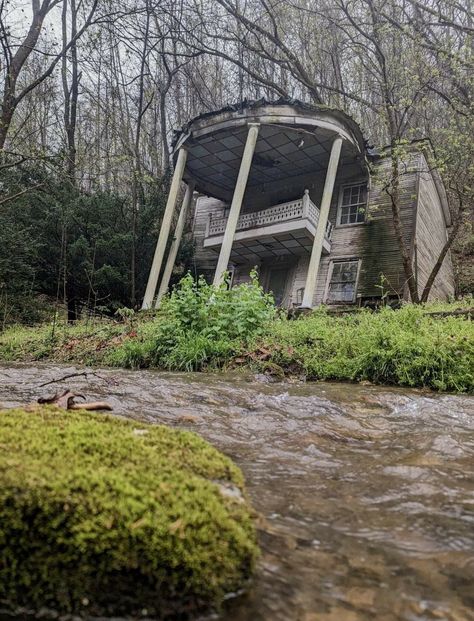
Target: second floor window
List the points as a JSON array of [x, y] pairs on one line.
[[352, 204]]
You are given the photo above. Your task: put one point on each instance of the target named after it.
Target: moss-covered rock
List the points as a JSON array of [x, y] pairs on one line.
[[110, 516]]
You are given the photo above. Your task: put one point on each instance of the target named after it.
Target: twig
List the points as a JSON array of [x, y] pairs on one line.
[[65, 377], [92, 406]]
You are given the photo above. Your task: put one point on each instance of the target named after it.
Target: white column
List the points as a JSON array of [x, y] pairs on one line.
[[164, 230], [313, 267], [165, 281], [236, 204]]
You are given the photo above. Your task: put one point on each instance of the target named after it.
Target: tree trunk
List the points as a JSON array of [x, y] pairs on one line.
[[25, 48], [137, 189], [71, 91], [164, 133]]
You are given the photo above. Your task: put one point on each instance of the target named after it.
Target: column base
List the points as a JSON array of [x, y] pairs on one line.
[[302, 311]]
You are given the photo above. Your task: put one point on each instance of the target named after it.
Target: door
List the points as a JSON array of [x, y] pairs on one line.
[[276, 284]]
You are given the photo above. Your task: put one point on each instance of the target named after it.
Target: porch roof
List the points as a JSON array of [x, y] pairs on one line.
[[294, 140]]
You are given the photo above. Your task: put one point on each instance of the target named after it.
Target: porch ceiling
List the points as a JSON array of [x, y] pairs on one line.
[[294, 244], [291, 143]]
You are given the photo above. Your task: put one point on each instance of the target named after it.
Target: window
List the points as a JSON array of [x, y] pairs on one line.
[[352, 204], [342, 282]]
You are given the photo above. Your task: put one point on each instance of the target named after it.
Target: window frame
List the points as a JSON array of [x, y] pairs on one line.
[[329, 278], [339, 203]]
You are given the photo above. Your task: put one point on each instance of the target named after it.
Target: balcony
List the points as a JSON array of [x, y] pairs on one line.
[[287, 228]]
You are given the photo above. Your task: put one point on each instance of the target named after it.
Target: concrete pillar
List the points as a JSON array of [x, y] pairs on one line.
[[236, 204], [313, 267], [165, 281], [164, 230]]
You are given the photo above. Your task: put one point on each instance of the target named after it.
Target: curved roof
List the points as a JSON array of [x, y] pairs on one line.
[[294, 140]]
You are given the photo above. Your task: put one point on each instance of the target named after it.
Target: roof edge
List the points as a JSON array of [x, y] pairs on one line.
[[254, 104]]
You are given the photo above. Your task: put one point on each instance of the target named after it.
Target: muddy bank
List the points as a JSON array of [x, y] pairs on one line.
[[366, 493]]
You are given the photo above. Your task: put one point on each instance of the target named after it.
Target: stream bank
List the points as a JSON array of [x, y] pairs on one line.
[[366, 493], [205, 330]]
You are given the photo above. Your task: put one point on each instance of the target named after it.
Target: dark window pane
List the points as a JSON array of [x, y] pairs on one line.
[[346, 196], [343, 279], [349, 273], [353, 204], [348, 292], [336, 271]]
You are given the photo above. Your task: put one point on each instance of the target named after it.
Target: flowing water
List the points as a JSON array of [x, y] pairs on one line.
[[366, 494]]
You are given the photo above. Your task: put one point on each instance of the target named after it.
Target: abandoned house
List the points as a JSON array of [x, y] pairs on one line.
[[294, 190]]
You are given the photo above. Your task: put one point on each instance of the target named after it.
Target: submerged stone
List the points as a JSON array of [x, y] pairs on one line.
[[99, 515]]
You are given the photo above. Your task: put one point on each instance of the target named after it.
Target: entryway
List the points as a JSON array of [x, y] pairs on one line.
[[276, 283]]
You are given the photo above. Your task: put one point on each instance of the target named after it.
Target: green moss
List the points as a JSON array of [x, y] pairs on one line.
[[116, 516]]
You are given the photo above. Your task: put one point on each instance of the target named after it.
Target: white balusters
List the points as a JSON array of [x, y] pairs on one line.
[[284, 212]]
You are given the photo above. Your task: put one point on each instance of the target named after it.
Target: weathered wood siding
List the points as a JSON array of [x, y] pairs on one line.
[[373, 242], [431, 235], [205, 259]]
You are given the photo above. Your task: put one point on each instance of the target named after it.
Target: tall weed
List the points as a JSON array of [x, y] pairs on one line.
[[198, 326]]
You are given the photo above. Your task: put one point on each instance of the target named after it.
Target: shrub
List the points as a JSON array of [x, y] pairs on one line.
[[113, 516], [199, 326]]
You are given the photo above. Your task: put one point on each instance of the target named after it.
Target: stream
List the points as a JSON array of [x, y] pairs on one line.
[[366, 493]]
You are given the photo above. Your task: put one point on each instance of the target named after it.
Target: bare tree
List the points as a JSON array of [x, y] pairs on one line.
[[16, 60]]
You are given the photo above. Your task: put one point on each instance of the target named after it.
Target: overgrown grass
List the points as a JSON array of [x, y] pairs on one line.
[[83, 342], [198, 328], [407, 347]]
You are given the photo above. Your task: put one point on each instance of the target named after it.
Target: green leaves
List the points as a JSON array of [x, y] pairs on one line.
[[406, 347], [199, 326], [53, 237]]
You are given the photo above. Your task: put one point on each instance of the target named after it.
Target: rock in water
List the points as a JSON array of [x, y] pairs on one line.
[[96, 515]]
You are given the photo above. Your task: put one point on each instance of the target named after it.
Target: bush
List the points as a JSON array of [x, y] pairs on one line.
[[113, 516], [199, 326]]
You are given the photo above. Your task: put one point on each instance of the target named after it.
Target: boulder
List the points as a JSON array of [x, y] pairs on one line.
[[103, 516]]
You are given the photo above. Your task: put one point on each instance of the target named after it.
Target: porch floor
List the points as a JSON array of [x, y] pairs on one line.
[[280, 230]]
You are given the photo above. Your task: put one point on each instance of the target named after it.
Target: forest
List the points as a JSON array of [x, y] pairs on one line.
[[91, 91]]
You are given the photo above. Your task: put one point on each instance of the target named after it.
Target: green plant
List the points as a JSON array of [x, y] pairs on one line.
[[423, 345], [235, 312], [127, 315], [407, 347], [199, 325]]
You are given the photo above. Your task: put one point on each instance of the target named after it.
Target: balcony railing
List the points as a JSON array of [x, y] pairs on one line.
[[300, 209]]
